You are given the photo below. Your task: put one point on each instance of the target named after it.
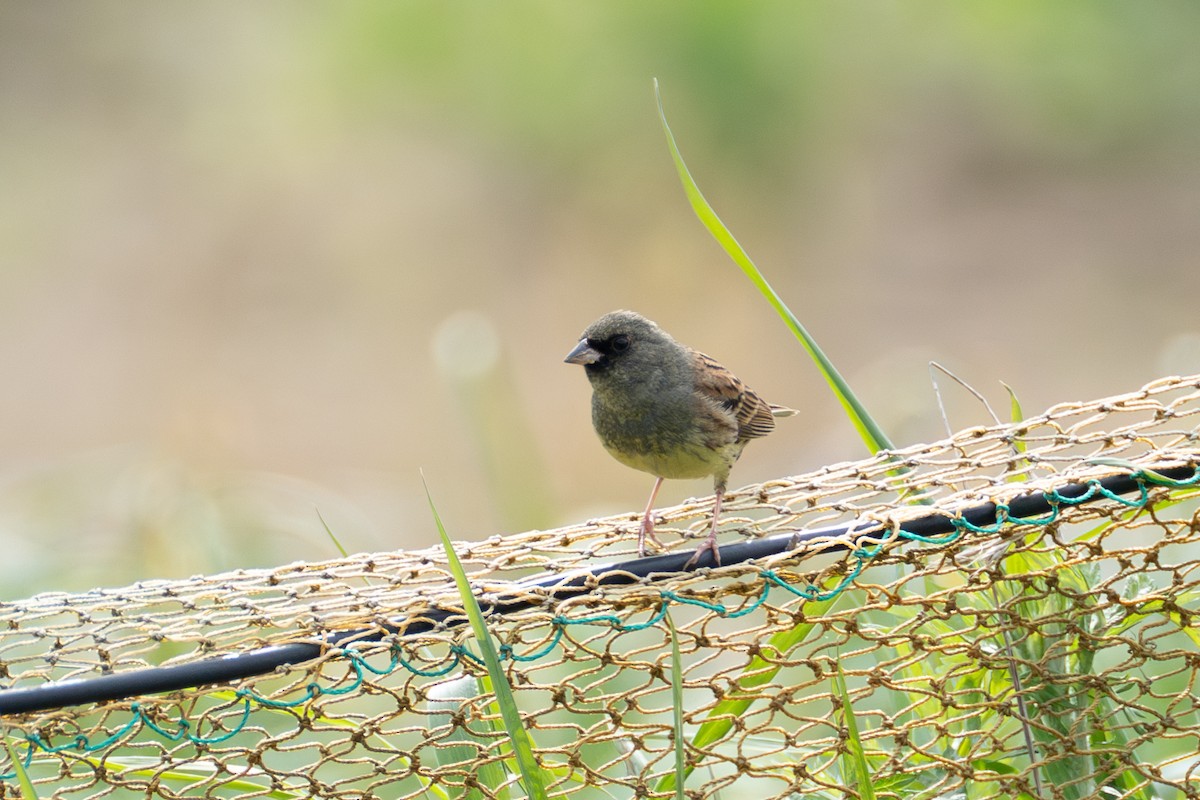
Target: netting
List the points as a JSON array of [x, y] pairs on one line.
[[1055, 656]]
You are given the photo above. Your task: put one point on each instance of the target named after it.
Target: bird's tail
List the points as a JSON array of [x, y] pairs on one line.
[[783, 411]]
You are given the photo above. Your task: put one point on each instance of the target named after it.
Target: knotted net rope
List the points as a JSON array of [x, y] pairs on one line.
[[1055, 656]]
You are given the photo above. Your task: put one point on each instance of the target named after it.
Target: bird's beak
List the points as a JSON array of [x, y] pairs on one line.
[[583, 353]]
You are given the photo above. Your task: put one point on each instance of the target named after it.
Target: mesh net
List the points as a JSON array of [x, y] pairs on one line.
[[1056, 657]]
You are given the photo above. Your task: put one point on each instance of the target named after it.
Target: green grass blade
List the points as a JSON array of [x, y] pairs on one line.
[[758, 672], [522, 744], [27, 790], [189, 776], [332, 537], [1015, 414], [677, 710], [857, 756], [444, 700], [867, 428]]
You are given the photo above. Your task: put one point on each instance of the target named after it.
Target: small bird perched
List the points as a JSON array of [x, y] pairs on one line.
[[661, 407]]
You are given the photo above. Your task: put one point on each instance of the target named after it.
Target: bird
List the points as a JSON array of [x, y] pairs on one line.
[[663, 408]]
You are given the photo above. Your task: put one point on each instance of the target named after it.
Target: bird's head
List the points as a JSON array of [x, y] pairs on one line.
[[619, 337]]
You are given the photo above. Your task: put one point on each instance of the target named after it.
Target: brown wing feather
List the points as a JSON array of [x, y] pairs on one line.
[[753, 414]]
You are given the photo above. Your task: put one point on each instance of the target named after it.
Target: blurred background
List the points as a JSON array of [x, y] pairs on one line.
[[262, 262]]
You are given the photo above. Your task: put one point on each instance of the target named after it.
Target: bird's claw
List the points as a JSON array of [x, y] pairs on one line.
[[709, 544], [646, 531]]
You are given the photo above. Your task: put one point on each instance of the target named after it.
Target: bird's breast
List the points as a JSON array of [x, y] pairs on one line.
[[664, 439]]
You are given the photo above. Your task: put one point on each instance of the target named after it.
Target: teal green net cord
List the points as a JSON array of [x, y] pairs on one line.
[[1048, 647]]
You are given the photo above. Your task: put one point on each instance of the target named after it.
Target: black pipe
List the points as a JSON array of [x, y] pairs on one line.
[[229, 668]]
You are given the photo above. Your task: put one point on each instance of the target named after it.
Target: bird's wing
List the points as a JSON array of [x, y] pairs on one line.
[[753, 414]]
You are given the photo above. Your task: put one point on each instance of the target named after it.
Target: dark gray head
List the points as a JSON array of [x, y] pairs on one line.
[[621, 339]]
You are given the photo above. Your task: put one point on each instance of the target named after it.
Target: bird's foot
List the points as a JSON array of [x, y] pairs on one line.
[[646, 531], [709, 544]]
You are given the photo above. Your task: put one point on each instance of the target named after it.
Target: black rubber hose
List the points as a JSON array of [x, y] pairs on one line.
[[229, 668]]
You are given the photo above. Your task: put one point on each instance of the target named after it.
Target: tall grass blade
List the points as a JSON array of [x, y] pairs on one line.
[[857, 756], [332, 536], [463, 746], [760, 671], [1015, 414], [866, 426], [531, 774], [677, 710], [27, 790]]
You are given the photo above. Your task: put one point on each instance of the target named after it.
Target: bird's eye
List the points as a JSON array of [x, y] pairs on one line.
[[620, 343]]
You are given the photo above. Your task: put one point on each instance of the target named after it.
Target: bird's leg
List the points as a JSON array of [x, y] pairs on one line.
[[711, 542], [646, 531]]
